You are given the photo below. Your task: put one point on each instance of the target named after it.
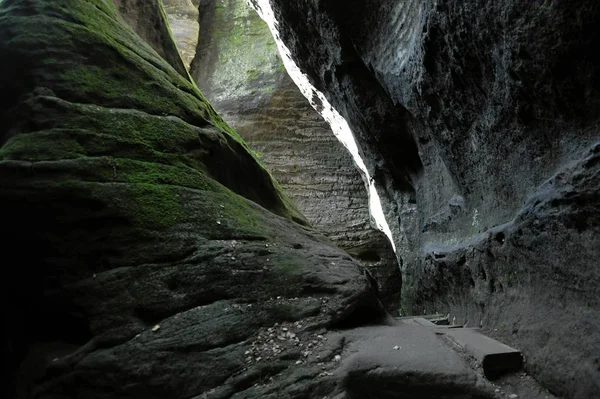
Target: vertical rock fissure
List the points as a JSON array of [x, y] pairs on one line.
[[339, 126]]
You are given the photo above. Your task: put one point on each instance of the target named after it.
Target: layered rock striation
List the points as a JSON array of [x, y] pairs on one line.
[[238, 68], [185, 24], [147, 19]]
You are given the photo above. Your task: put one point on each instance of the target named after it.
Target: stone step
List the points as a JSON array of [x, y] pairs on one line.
[[406, 360], [422, 321], [494, 357]]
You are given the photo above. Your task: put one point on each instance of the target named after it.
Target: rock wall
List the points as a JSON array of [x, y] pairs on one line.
[[184, 22], [239, 70], [147, 19], [149, 252], [480, 123]]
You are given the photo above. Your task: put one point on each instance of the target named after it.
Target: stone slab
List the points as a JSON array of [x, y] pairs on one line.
[[495, 357], [424, 322], [405, 361]]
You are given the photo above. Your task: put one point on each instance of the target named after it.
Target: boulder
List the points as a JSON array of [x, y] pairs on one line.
[[147, 247]]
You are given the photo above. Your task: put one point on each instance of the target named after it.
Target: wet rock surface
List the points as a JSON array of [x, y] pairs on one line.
[[468, 117]]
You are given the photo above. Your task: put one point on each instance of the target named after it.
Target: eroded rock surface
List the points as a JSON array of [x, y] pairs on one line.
[[184, 22], [149, 248], [240, 71], [147, 18], [463, 113]]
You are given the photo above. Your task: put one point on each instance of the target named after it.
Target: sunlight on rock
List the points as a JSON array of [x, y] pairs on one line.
[[338, 124]]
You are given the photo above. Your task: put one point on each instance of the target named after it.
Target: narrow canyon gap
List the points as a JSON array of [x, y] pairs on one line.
[[238, 67], [480, 124], [155, 254]]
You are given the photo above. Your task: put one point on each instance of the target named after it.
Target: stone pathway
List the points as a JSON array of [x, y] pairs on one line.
[[501, 364], [408, 358], [405, 361]]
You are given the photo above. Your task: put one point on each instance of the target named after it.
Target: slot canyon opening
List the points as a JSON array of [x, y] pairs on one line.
[[246, 72], [141, 226]]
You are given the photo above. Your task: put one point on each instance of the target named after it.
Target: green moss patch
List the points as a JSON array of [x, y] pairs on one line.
[[83, 53], [111, 159]]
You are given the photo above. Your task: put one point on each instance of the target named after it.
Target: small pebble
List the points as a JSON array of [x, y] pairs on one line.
[[156, 328], [513, 396]]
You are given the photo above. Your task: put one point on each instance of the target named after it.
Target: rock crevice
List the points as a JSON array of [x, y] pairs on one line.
[[238, 68]]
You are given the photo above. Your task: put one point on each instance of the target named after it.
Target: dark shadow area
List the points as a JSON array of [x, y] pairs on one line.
[[368, 256], [14, 85]]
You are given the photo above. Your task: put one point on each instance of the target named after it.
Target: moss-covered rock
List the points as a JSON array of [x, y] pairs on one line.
[[105, 63], [128, 203], [147, 18], [237, 58]]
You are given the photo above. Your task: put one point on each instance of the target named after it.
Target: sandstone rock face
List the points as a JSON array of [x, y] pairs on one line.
[[147, 18], [150, 251], [480, 124], [239, 70], [183, 20]]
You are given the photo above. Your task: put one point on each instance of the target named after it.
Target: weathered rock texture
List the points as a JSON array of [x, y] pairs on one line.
[[183, 20], [479, 122], [239, 70], [147, 18], [148, 250]]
